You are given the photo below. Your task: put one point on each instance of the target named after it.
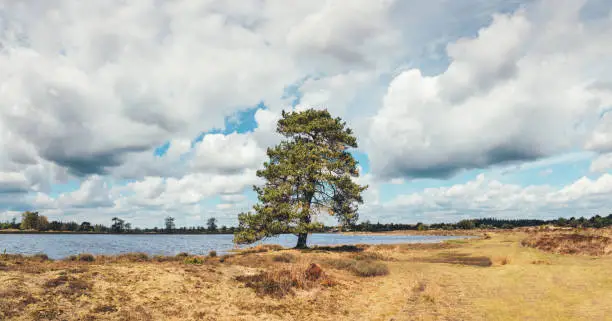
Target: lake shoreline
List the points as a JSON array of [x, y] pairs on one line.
[[61, 245]]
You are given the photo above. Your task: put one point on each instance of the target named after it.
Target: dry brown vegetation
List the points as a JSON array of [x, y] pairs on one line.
[[586, 242], [494, 278]]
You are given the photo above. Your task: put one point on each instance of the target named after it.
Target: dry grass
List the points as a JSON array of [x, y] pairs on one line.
[[284, 257], [459, 259], [279, 282], [484, 279], [260, 249], [364, 268], [589, 242]]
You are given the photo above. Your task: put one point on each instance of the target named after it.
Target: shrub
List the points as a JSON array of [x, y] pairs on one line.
[[281, 282], [166, 258], [86, 257], [194, 260], [41, 257], [83, 257], [134, 257], [284, 257], [212, 253], [370, 268], [182, 254]]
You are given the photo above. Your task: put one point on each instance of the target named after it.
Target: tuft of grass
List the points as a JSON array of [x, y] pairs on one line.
[[285, 258], [363, 268], [83, 257], [370, 268], [194, 260], [372, 256], [261, 248], [212, 253]]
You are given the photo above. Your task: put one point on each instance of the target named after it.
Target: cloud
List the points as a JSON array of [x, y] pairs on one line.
[[13, 183], [509, 95], [602, 163], [191, 189], [94, 192], [227, 153], [98, 93], [485, 197], [601, 138]]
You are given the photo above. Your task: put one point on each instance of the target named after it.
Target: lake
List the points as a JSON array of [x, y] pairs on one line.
[[58, 246]]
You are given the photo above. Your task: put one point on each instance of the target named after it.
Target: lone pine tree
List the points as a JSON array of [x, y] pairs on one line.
[[309, 172]]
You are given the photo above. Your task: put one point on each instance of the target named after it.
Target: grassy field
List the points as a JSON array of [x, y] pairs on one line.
[[504, 276]]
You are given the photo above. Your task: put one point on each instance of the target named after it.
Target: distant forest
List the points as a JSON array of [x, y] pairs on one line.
[[33, 221]]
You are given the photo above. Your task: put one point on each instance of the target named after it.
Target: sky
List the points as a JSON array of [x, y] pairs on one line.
[[150, 108]]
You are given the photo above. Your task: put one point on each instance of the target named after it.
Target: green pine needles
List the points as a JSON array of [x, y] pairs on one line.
[[309, 172]]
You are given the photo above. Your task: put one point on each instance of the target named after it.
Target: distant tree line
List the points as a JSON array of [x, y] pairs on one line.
[[596, 221], [37, 222], [33, 221]]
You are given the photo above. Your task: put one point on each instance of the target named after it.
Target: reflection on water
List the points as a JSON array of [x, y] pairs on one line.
[[62, 245]]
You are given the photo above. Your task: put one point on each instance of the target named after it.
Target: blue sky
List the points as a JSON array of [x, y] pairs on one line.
[[461, 109]]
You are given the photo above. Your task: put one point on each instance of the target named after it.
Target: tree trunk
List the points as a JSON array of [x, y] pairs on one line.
[[301, 243]]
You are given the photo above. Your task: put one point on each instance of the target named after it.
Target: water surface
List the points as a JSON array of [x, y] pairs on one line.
[[62, 245]]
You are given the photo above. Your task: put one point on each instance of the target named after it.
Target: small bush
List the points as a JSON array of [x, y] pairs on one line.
[[41, 257], [212, 253], [370, 268], [194, 260], [281, 282], [83, 257], [134, 257], [182, 254], [284, 257]]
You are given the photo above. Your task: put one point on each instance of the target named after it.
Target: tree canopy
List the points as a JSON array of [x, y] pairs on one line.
[[308, 173]]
